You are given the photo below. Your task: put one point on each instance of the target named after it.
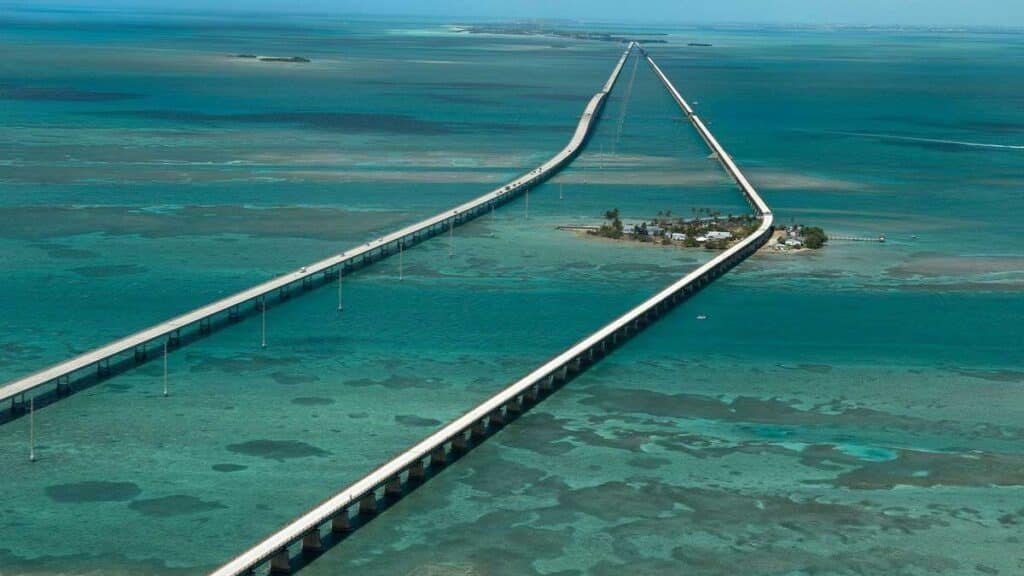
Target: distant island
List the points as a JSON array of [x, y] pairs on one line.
[[702, 44], [798, 237], [294, 59], [707, 228], [539, 30]]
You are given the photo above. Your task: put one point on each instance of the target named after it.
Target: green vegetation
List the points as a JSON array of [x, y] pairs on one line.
[[705, 229], [798, 236], [612, 228], [813, 236], [661, 228]]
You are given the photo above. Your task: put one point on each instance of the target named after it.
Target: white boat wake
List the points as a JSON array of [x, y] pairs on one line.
[[931, 140]]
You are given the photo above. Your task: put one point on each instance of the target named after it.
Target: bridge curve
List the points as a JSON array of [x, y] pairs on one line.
[[134, 349], [410, 468]]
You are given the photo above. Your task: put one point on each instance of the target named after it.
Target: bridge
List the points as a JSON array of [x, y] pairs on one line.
[[332, 520], [133, 350]]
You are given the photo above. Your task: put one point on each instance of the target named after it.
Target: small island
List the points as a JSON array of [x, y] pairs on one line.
[[707, 228], [534, 29], [797, 237]]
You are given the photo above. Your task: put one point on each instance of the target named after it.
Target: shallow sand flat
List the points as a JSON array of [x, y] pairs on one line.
[[934, 265]]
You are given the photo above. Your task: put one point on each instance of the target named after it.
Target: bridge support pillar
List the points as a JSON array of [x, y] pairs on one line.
[[204, 326], [417, 472], [63, 385], [393, 487], [368, 503], [311, 542], [496, 418], [174, 338], [514, 406], [140, 354], [279, 563], [437, 457], [531, 394], [340, 524], [548, 383], [478, 431], [459, 442]]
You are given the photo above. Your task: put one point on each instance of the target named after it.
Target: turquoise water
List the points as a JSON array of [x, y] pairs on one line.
[[850, 411], [855, 411]]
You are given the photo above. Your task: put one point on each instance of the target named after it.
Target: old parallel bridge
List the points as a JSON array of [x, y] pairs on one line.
[[330, 521]]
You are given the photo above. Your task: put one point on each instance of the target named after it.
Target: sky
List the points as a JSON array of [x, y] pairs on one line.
[[883, 12]]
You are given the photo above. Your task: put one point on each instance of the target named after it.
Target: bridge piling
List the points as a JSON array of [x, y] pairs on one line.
[[514, 406], [311, 542], [368, 504], [280, 564], [478, 431], [394, 486], [437, 457], [263, 323], [459, 443], [497, 418], [340, 524], [532, 393], [417, 472]]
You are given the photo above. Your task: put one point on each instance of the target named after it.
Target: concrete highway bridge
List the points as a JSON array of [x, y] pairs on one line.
[[59, 380], [303, 539]]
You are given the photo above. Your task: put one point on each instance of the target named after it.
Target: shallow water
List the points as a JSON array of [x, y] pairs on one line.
[[854, 411], [847, 411], [105, 248]]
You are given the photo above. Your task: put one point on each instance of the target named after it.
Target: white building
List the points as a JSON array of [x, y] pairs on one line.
[[678, 236], [718, 235]]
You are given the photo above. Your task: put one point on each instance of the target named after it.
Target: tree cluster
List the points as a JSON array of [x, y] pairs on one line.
[[814, 237]]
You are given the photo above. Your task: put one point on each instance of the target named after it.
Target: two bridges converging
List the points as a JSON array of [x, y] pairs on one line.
[[335, 518]]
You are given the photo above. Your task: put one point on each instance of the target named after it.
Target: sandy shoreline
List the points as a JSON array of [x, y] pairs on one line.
[[767, 248]]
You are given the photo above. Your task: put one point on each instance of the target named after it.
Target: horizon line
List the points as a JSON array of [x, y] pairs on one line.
[[452, 19]]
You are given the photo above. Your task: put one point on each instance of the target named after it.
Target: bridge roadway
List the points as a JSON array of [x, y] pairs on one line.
[[410, 468], [230, 308]]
